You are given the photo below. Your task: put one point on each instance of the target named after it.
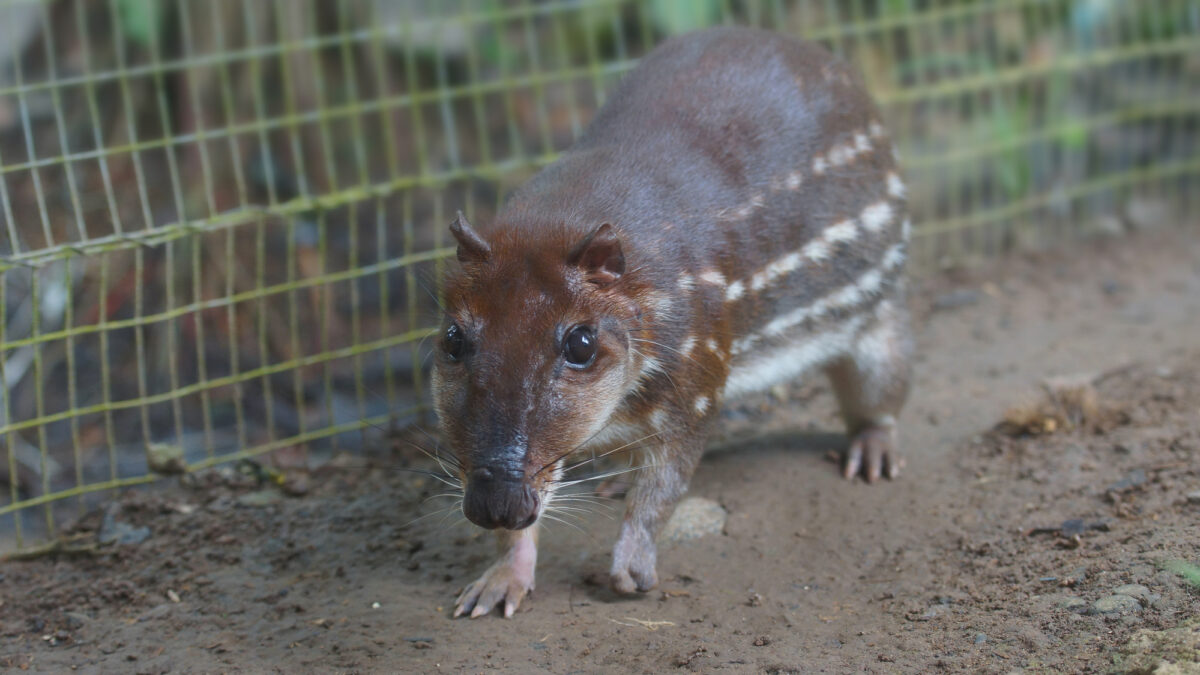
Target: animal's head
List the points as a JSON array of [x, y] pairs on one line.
[[534, 356]]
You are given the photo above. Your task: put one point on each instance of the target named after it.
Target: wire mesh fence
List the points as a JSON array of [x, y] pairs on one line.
[[223, 219]]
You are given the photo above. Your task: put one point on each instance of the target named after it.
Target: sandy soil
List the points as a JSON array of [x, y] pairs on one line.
[[1044, 544]]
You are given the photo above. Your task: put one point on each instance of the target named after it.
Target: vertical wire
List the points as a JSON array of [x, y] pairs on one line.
[[237, 158], [39, 390], [410, 286], [324, 301], [72, 378], [139, 266], [564, 65], [63, 143], [322, 101], [199, 338], [200, 127], [94, 112], [537, 76], [12, 438], [445, 107], [130, 127], [231, 254], [418, 123], [110, 434], [264, 351], [483, 138], [9, 221], [260, 245], [387, 127], [508, 86], [350, 78], [30, 151]]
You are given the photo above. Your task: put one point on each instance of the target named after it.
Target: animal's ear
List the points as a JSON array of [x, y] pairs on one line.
[[471, 247], [599, 256]]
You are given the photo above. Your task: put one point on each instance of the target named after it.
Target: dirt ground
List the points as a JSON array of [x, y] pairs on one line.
[[1030, 532]]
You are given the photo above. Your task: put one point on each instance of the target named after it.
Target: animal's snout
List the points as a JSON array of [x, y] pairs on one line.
[[499, 498]]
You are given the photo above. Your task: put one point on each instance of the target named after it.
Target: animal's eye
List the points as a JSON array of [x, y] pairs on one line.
[[454, 343], [579, 347]]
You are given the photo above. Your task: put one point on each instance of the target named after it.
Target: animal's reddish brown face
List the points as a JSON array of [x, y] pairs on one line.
[[532, 360]]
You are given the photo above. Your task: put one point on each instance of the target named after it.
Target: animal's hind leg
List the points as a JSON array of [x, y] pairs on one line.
[[871, 383]]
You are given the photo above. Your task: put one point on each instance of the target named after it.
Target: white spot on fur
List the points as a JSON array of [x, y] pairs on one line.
[[876, 130], [906, 229], [686, 282], [876, 216], [819, 165], [868, 283], [689, 343], [895, 186], [841, 154], [701, 404], [894, 257], [845, 230], [735, 291], [713, 277], [660, 302], [791, 360], [816, 250], [793, 181], [650, 366], [658, 419], [711, 343], [861, 143]]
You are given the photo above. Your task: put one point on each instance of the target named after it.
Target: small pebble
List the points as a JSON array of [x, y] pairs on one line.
[[1116, 604], [1074, 604], [955, 299], [1137, 591], [980, 638], [695, 517]]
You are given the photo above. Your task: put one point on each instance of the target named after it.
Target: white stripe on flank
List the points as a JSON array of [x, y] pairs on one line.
[[701, 404], [868, 284], [876, 216], [895, 186], [713, 277], [784, 363], [778, 268], [735, 291], [686, 282]]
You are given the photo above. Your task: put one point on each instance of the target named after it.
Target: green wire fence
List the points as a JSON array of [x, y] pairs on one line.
[[222, 220]]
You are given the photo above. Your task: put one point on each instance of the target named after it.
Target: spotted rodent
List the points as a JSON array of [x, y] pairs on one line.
[[731, 219]]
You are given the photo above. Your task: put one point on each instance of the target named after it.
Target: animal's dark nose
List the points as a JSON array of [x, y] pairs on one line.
[[498, 498]]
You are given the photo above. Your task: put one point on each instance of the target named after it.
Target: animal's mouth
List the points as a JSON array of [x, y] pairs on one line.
[[493, 499]]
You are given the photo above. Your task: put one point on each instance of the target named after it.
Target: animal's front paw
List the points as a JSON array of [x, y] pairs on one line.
[[873, 453], [634, 562], [507, 581]]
